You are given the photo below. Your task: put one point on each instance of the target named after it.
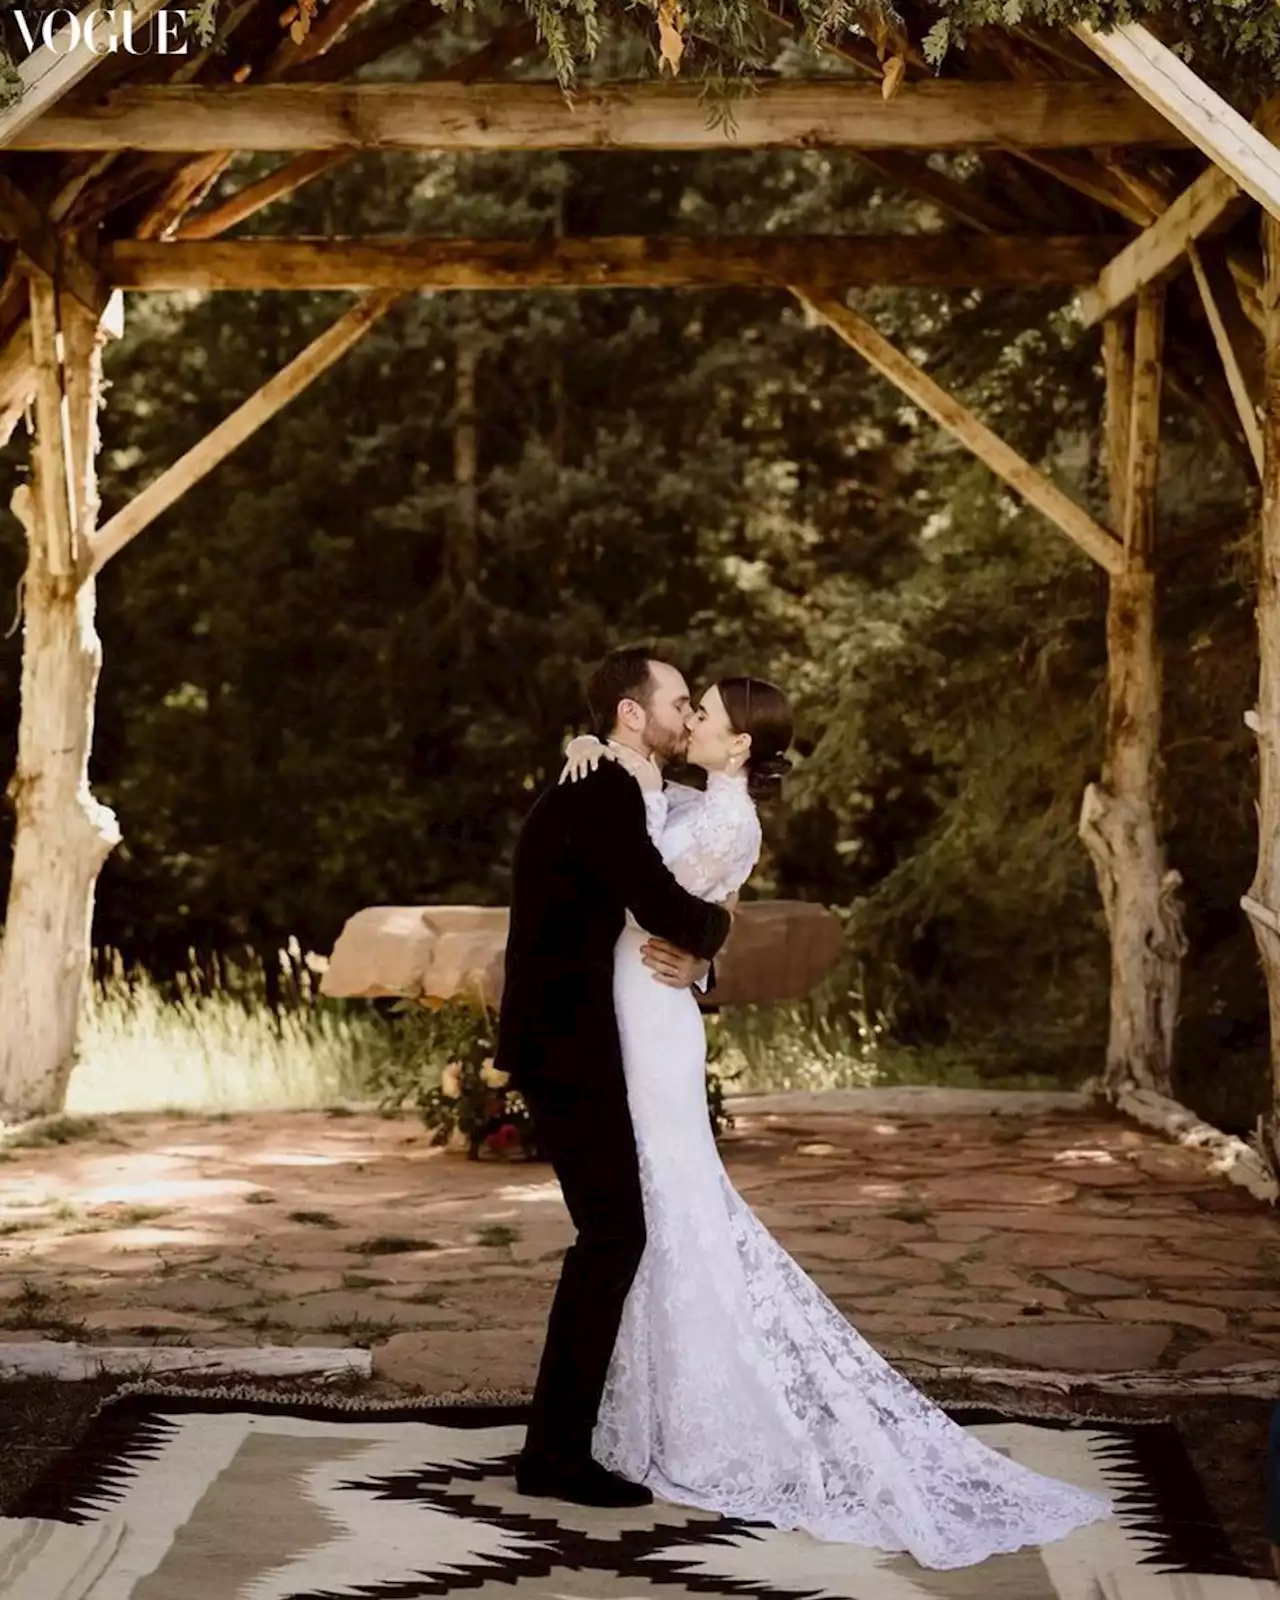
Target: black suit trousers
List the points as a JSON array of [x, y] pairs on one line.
[[586, 1133]]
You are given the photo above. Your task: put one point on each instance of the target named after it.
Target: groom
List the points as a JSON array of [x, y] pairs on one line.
[[583, 860]]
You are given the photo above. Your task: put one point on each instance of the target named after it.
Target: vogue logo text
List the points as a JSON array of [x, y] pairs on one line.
[[103, 31]]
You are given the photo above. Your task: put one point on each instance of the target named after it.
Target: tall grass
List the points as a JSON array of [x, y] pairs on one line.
[[210, 1041], [832, 1040]]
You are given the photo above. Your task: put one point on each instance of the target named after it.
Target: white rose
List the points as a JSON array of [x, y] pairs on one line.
[[451, 1081], [492, 1078]]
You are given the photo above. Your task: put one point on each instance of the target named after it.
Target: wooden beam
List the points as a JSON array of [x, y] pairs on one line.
[[245, 420], [50, 250], [937, 115], [1198, 112], [912, 173], [507, 45], [51, 71], [254, 197], [648, 262], [1159, 250], [194, 179], [1137, 531], [1083, 172], [1234, 336], [945, 409], [1091, 178]]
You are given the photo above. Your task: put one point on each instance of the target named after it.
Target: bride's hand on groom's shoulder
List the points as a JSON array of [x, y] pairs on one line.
[[582, 755]]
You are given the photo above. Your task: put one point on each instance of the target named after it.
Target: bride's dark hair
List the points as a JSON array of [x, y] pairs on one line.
[[762, 710]]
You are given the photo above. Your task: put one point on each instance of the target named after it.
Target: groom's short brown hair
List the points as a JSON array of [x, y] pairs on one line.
[[622, 675]]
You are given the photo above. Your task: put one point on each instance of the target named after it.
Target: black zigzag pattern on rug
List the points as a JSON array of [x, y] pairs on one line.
[[1159, 1498]]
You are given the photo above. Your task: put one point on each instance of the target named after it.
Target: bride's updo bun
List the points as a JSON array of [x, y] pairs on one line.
[[762, 711]]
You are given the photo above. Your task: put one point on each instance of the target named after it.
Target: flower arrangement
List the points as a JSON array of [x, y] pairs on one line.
[[447, 1070]]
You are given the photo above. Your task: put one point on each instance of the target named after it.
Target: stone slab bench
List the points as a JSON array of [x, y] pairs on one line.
[[778, 950]]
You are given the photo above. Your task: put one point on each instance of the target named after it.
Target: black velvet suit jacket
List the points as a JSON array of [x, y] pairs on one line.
[[583, 860]]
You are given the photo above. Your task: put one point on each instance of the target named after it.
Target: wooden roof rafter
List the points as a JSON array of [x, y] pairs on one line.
[[189, 185], [505, 47], [1087, 182], [443, 116], [1200, 114], [1244, 162], [671, 262]]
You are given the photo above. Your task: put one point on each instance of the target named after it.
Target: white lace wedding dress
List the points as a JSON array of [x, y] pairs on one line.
[[736, 1385]]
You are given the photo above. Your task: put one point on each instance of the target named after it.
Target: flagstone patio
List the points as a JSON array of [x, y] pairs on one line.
[[1055, 1238]]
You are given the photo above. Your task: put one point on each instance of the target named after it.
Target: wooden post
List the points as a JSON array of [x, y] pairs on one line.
[[1119, 819], [1262, 903], [63, 834]]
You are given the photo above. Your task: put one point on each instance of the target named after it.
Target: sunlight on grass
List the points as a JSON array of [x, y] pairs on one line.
[[767, 1049], [831, 1041], [210, 1042], [202, 1045]]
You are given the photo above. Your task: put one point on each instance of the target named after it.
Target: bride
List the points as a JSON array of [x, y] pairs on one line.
[[735, 1384]]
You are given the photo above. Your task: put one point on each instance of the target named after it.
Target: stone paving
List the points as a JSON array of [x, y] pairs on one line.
[[1060, 1240]]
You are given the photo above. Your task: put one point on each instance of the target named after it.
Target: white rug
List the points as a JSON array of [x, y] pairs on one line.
[[42, 1560], [242, 1497]]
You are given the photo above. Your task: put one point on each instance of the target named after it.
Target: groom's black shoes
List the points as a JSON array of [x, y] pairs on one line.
[[587, 1485]]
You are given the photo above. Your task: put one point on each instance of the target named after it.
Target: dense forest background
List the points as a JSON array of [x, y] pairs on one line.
[[336, 672]]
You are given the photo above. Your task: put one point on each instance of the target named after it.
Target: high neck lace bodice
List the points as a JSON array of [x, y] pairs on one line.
[[710, 838]]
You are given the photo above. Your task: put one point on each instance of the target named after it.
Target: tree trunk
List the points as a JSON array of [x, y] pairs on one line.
[[63, 834], [1262, 903], [1119, 819]]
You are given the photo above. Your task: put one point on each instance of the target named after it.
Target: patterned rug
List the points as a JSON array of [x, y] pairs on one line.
[[239, 1495]]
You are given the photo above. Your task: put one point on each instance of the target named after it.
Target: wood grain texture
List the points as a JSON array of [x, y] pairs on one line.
[[937, 115]]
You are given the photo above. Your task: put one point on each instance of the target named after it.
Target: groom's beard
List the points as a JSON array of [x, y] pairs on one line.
[[667, 749]]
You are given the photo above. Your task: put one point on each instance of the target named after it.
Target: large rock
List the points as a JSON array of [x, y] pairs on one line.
[[440, 950], [779, 950]]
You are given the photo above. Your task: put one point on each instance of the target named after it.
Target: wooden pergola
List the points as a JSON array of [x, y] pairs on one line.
[[1102, 163]]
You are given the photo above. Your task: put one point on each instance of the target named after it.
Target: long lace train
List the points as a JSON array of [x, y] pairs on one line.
[[738, 1386]]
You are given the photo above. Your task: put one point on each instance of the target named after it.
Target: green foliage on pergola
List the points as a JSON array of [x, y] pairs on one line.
[[1235, 45]]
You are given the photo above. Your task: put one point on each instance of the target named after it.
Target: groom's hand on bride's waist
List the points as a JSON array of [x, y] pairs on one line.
[[675, 968]]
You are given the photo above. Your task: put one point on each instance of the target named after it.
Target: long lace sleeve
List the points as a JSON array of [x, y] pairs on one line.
[[712, 845]]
